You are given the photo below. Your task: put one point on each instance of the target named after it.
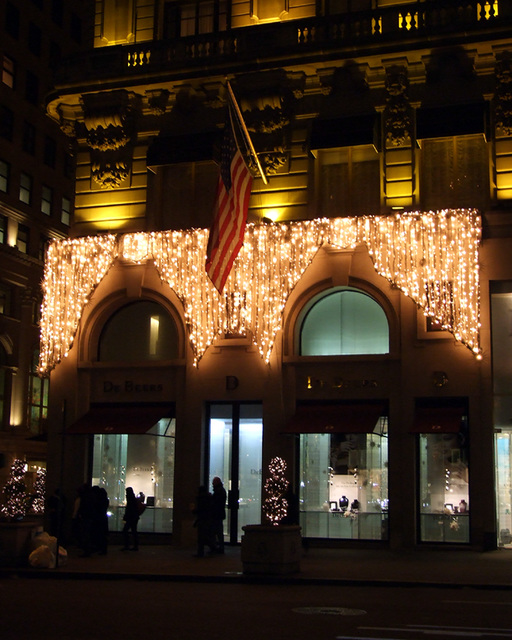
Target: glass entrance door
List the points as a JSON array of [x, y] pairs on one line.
[[235, 444], [501, 313], [503, 443]]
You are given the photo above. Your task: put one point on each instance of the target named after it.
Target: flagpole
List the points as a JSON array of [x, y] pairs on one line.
[[246, 132]]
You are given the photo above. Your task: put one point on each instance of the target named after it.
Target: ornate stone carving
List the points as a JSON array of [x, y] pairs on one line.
[[110, 174], [265, 102], [110, 123], [158, 101], [503, 95], [397, 121]]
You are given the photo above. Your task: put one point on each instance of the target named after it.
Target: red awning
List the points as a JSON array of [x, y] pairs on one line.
[[438, 419], [336, 418], [121, 418]]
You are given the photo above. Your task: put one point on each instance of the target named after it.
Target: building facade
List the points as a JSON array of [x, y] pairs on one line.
[[363, 333], [36, 199]]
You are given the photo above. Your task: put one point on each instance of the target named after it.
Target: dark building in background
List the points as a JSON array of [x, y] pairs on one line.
[[364, 333], [37, 171]]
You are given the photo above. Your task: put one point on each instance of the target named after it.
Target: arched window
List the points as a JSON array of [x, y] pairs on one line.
[[344, 322], [140, 331]]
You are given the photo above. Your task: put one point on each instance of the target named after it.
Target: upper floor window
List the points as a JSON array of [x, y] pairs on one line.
[[6, 122], [454, 173], [55, 54], [4, 176], [25, 194], [65, 214], [139, 332], [22, 239], [41, 254], [349, 181], [8, 68], [5, 300], [191, 18], [76, 28], [69, 166], [58, 12], [38, 397], [46, 200], [29, 137], [344, 322], [3, 384], [50, 151], [32, 88], [12, 20], [3, 229], [34, 39]]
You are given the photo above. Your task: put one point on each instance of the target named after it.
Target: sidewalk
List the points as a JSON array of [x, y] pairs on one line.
[[427, 567]]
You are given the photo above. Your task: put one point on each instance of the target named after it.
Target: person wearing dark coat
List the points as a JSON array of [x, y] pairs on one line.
[[86, 518], [203, 521], [100, 521], [218, 513], [131, 520]]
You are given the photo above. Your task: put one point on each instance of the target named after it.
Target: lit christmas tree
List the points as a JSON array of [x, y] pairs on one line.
[[39, 492], [275, 505], [15, 491]]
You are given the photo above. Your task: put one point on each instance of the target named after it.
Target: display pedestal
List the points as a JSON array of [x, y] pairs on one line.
[[271, 550]]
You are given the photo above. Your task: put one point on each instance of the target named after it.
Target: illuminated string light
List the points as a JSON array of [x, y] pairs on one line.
[[432, 257], [73, 268], [275, 505]]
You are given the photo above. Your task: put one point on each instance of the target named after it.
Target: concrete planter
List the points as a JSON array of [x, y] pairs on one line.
[[16, 540], [271, 550]]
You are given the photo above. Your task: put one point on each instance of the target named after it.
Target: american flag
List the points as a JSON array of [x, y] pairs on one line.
[[230, 213]]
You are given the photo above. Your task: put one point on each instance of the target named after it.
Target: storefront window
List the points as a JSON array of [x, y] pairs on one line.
[[344, 484], [144, 462], [444, 487]]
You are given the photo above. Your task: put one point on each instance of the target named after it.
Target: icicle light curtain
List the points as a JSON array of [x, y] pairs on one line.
[[432, 257]]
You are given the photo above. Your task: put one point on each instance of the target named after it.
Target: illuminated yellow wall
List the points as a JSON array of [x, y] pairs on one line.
[[120, 209], [504, 169]]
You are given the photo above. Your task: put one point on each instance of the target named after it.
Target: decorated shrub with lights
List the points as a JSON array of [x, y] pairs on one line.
[[15, 492], [39, 492], [275, 505]]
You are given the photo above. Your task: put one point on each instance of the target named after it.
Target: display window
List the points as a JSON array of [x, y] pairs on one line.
[[143, 461], [343, 488], [443, 446]]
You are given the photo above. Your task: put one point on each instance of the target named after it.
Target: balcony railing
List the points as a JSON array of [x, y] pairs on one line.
[[399, 26]]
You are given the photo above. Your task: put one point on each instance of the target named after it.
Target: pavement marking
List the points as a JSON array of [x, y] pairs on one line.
[[436, 630], [487, 630], [427, 632], [364, 638], [330, 611], [506, 604]]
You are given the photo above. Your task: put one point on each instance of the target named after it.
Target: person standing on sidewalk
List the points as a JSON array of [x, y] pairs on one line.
[[218, 513], [131, 520], [203, 521]]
